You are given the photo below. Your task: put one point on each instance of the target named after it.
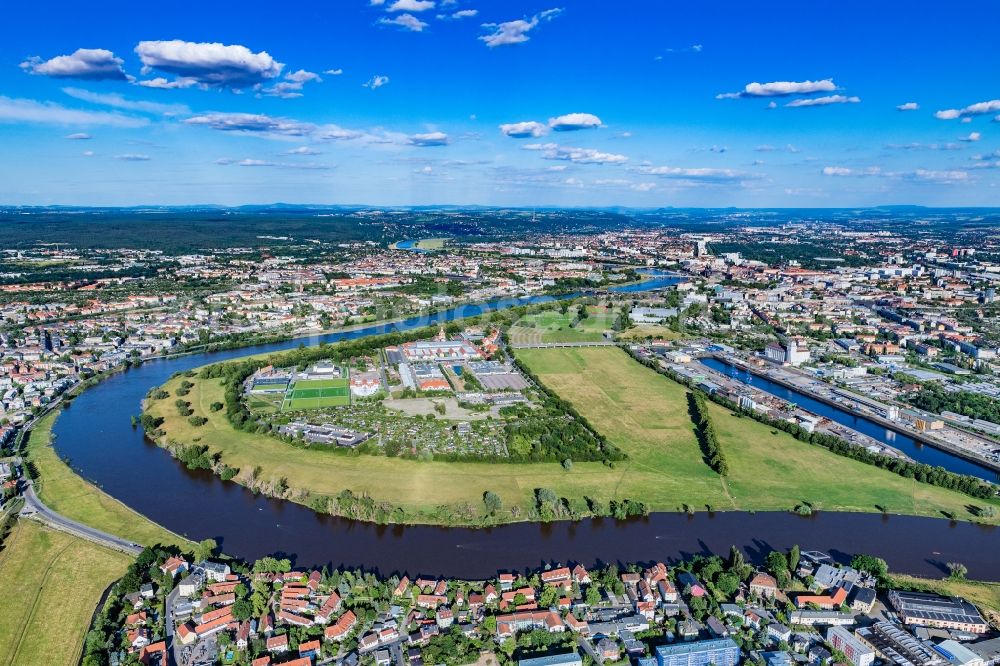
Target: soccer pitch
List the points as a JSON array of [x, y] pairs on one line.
[[316, 393]]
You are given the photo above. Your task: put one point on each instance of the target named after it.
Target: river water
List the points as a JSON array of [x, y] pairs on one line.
[[911, 447], [95, 434]]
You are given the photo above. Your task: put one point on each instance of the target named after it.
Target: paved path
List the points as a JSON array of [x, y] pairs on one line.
[[33, 508], [546, 345]]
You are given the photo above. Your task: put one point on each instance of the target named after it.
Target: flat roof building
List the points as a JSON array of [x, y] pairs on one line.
[[933, 610], [568, 659], [718, 652]]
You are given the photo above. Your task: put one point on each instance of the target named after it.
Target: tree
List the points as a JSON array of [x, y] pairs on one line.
[[957, 571], [793, 558], [205, 549], [876, 566], [492, 501], [243, 610], [593, 596], [777, 564]]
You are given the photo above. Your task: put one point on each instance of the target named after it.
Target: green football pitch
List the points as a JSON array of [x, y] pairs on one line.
[[315, 393]]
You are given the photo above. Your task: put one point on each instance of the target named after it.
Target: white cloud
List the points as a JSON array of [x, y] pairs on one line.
[[410, 6], [208, 64], [973, 136], [376, 82], [781, 89], [823, 101], [574, 121], [429, 139], [78, 136], [923, 146], [32, 111], [524, 130], [844, 171], [947, 176], [693, 174], [292, 85], [333, 72], [91, 64], [908, 106], [251, 162], [87, 153], [553, 151], [515, 32], [978, 109], [302, 150], [463, 13], [250, 123], [133, 157], [119, 102], [405, 21], [167, 84]]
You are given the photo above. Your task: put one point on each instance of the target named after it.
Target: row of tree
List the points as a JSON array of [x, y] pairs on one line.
[[705, 431]]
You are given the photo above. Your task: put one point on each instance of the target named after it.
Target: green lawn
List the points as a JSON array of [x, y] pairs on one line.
[[50, 583], [642, 412], [554, 326], [63, 491], [317, 393]]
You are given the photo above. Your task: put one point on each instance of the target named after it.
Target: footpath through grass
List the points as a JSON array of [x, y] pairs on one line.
[[50, 583], [65, 492]]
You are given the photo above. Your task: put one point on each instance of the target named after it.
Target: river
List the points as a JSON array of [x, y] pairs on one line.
[[911, 447], [95, 433]]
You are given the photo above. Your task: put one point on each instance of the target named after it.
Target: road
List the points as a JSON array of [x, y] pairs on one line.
[[173, 646], [33, 508]]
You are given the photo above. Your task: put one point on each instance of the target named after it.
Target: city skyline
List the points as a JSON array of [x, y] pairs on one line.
[[416, 102]]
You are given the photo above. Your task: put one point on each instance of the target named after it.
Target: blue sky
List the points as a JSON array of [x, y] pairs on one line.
[[575, 103]]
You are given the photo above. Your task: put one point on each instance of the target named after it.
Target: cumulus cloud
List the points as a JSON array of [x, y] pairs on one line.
[[163, 83], [208, 64], [973, 136], [78, 136], [333, 72], [90, 64], [823, 101], [376, 82], [515, 32], [781, 89], [292, 84], [410, 6], [406, 22], [118, 101], [524, 130], [33, 111], [553, 151], [908, 106], [251, 123], [460, 14], [574, 121], [302, 150], [133, 157], [87, 153], [428, 139], [977, 109]]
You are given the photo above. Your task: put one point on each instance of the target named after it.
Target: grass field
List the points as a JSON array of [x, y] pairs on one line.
[[554, 326], [640, 411], [63, 491], [50, 583], [316, 393], [650, 331]]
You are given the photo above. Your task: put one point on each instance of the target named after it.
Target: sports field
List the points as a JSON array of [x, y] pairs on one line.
[[316, 393]]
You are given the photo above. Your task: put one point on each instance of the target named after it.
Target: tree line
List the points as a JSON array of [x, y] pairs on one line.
[[705, 431]]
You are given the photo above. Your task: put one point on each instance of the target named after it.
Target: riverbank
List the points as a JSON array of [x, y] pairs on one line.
[[61, 489]]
